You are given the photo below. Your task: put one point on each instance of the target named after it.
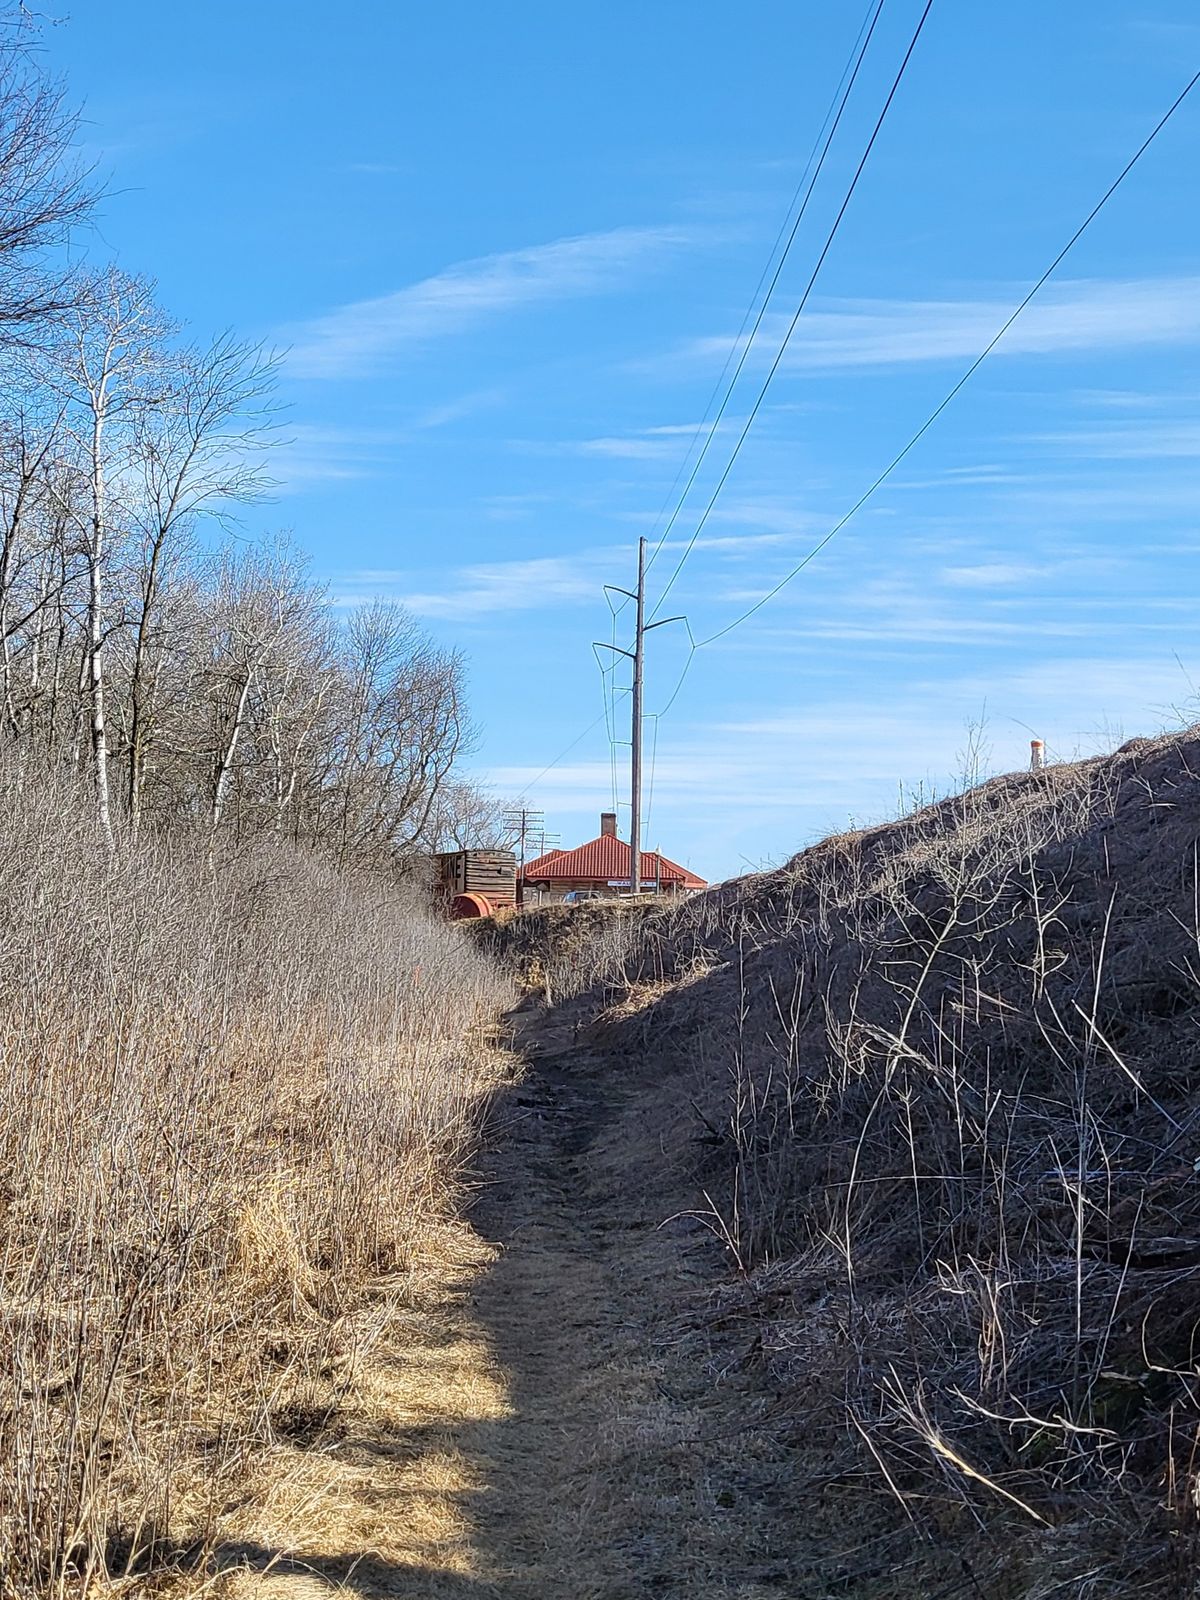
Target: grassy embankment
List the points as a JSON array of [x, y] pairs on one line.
[[933, 1085]]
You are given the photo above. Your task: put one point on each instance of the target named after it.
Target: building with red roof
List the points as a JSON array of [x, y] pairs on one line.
[[602, 866]]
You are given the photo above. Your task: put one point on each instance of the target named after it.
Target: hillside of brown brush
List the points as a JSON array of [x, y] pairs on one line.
[[934, 1085], [557, 950]]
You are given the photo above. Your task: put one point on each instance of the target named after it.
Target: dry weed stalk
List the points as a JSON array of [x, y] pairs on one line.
[[232, 1103], [959, 1154], [558, 952]]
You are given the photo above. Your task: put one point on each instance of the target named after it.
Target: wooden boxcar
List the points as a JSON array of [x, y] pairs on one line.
[[466, 877]]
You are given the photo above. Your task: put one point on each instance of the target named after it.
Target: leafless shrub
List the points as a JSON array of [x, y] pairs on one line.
[[559, 952], [232, 1097]]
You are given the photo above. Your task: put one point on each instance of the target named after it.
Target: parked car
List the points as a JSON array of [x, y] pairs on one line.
[[576, 897]]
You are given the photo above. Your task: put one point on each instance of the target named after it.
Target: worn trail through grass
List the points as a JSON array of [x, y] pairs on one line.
[[549, 1419]]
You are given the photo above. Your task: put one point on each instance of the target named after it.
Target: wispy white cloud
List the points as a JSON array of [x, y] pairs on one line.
[[1137, 498], [363, 336], [730, 544], [491, 588], [759, 514], [315, 453], [926, 627], [377, 169], [484, 589], [1120, 399], [990, 575], [631, 447], [1085, 314], [1158, 439], [466, 405], [995, 600], [770, 514], [515, 507], [963, 477], [667, 443]]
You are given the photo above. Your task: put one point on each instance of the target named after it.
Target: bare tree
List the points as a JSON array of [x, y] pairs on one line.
[[403, 728], [197, 451], [29, 439], [266, 630], [466, 817], [111, 373], [44, 191], [299, 692]]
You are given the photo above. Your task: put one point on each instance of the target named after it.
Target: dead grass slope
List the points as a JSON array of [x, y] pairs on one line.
[[934, 1086], [558, 951]]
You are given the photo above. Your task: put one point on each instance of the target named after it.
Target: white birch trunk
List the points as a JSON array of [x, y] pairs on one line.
[[221, 786], [96, 626]]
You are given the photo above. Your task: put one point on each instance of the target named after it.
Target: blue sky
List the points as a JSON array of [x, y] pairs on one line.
[[509, 250]]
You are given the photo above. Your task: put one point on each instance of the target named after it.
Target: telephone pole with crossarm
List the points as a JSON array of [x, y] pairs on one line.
[[638, 657]]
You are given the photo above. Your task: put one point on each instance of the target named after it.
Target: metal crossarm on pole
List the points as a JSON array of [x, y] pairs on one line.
[[638, 657]]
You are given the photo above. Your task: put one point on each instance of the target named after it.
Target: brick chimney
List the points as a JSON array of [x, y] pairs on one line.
[[608, 824]]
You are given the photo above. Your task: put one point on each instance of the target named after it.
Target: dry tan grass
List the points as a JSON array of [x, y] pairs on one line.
[[234, 1100], [377, 1492], [542, 1423], [556, 951]]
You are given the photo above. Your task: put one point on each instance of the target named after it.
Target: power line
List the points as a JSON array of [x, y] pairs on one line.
[[968, 374], [840, 98], [608, 696], [613, 692], [562, 754], [832, 235], [697, 645], [653, 768], [737, 621], [805, 188], [674, 695]]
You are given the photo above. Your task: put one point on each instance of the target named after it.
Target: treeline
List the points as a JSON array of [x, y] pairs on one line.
[[192, 677]]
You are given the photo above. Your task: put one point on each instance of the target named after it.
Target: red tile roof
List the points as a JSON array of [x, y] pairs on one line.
[[607, 859]]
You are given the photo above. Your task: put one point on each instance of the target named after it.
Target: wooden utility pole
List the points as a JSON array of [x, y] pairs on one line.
[[638, 657], [635, 774], [526, 823]]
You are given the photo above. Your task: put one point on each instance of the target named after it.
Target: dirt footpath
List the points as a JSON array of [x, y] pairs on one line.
[[619, 1471], [549, 1421]]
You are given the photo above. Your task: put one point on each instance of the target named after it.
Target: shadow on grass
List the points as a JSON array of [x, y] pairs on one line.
[[362, 1571], [533, 1452]]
